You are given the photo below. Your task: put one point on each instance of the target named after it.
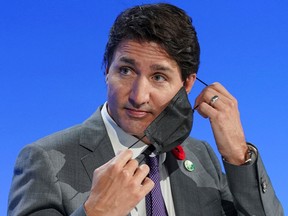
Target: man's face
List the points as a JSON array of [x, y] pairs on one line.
[[141, 81]]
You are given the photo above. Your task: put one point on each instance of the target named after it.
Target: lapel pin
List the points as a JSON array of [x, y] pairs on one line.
[[189, 165], [179, 152]]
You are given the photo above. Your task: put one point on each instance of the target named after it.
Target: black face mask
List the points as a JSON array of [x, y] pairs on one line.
[[171, 127]]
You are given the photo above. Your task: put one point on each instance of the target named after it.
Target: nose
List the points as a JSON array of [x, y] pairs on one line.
[[140, 92]]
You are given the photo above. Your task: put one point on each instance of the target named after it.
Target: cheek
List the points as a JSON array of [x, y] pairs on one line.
[[116, 95], [162, 99], [113, 104], [113, 97]]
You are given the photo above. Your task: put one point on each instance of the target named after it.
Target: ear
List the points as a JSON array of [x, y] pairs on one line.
[[189, 82], [106, 71], [106, 74]]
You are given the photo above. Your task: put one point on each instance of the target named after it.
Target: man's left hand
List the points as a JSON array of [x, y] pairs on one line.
[[217, 104]]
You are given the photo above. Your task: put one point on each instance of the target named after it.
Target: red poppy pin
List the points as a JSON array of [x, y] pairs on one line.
[[179, 153]]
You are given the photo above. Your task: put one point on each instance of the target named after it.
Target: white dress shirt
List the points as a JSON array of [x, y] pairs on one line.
[[121, 140]]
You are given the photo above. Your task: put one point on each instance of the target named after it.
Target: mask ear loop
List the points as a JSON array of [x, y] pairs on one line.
[[136, 141], [202, 81], [203, 84]]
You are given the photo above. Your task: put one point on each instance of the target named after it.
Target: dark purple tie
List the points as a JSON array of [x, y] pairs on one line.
[[155, 205]]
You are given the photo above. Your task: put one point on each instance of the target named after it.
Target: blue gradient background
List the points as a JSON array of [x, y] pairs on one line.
[[51, 75]]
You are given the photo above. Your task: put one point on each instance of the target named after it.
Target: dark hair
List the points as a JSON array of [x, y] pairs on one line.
[[164, 24]]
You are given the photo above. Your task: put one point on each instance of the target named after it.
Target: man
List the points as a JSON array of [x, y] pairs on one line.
[[151, 54]]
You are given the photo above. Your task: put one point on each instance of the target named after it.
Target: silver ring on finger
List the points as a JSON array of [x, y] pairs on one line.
[[214, 99]]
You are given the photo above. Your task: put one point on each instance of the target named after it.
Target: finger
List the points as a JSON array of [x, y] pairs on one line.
[[147, 186], [226, 102], [205, 96], [221, 89], [208, 94], [206, 111], [131, 167], [215, 100], [122, 158], [141, 173]]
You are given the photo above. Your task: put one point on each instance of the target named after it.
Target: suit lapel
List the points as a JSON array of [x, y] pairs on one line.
[[94, 138], [183, 188]]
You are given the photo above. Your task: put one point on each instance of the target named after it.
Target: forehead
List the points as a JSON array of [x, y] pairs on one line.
[[142, 51], [149, 46]]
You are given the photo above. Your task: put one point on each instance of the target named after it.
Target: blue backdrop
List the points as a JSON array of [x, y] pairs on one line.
[[51, 75]]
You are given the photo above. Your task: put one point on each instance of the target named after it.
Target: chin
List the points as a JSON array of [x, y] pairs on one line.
[[134, 127], [134, 131]]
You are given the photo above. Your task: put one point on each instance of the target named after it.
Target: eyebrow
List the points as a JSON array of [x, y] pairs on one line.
[[128, 60], [157, 67], [161, 68]]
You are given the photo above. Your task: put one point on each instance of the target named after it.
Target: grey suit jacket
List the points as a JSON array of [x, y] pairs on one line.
[[53, 177]]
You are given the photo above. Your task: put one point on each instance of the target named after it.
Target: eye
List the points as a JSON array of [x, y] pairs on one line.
[[125, 71], [159, 78]]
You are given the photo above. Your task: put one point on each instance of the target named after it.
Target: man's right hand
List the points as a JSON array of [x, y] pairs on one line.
[[118, 186]]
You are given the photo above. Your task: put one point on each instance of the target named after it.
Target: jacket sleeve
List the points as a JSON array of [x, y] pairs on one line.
[[35, 189], [252, 190]]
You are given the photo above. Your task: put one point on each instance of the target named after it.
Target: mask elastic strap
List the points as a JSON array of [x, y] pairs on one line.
[[136, 141], [203, 84], [201, 81]]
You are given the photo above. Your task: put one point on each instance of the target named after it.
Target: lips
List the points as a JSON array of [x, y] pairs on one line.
[[134, 113]]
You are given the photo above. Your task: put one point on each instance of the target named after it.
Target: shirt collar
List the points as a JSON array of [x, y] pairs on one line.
[[121, 140]]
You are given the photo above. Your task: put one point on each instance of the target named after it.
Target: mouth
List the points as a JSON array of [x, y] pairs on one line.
[[136, 113]]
